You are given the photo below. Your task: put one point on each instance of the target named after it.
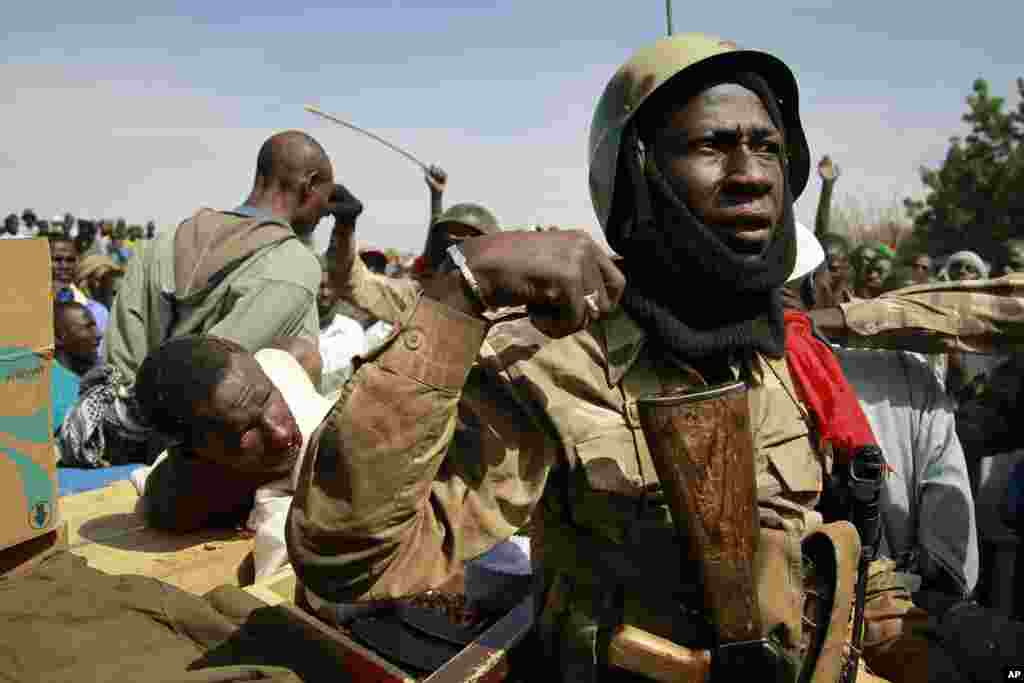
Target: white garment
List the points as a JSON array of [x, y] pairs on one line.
[[343, 339], [341, 342], [927, 507]]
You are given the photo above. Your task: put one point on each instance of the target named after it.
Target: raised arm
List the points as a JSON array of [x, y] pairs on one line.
[[828, 172], [429, 457], [437, 181]]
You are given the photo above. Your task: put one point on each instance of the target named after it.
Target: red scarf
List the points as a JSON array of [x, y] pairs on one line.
[[823, 388]]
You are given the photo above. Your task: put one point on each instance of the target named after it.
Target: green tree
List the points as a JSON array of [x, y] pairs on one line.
[[975, 198]]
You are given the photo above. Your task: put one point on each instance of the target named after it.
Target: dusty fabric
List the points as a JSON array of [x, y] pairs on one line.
[[445, 443], [65, 622], [206, 245]]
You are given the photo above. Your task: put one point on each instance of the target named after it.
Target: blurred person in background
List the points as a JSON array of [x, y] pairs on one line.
[[99, 277], [64, 264], [375, 260], [28, 217], [964, 265], [837, 256], [873, 274], [967, 371], [921, 269], [117, 250], [10, 230], [76, 339], [76, 344], [1011, 257]]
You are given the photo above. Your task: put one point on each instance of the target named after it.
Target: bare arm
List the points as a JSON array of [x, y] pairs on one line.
[[829, 172]]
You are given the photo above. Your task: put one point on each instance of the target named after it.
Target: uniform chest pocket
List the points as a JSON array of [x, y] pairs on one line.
[[796, 464], [606, 486], [608, 464]]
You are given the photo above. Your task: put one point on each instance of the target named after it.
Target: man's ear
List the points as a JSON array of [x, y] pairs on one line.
[[312, 178]]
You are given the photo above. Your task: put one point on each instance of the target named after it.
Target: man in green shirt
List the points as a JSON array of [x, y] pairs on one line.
[[242, 274], [238, 274]]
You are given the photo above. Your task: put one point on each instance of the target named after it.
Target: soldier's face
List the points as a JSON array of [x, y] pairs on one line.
[[724, 157]]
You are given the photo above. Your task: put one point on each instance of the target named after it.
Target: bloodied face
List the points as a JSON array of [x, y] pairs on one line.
[[246, 423]]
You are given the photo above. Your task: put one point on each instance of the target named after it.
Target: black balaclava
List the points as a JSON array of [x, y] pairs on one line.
[[694, 295]]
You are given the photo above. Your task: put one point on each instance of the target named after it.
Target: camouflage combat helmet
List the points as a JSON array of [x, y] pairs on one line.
[[470, 215], [668, 59]]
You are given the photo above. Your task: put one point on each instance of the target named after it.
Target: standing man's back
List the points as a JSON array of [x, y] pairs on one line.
[[238, 274]]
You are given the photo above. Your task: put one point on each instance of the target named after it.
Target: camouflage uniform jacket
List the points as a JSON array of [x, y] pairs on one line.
[[455, 435], [975, 316]]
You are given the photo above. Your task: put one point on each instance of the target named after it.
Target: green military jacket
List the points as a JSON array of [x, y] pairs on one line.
[[259, 295]]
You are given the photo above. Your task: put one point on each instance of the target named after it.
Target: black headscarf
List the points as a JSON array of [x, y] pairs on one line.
[[694, 295]]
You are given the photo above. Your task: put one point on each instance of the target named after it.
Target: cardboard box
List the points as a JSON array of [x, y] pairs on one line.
[[28, 467]]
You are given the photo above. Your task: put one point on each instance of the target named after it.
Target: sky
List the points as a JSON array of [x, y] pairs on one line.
[[150, 110]]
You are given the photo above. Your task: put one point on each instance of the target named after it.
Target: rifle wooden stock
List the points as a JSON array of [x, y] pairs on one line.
[[644, 653], [702, 448]]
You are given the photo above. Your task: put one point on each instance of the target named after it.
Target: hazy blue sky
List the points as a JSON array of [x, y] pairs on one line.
[[145, 109]]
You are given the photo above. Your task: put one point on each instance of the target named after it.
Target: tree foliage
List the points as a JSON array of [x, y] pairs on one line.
[[975, 199]]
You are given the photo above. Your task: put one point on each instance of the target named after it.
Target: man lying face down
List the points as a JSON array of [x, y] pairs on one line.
[[240, 421]]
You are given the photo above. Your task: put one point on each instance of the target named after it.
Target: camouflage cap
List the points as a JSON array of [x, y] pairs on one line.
[[470, 215]]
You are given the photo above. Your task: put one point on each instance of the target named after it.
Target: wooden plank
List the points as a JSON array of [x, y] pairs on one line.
[[106, 529]]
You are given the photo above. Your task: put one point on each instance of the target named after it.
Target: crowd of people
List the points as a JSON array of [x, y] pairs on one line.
[[382, 426]]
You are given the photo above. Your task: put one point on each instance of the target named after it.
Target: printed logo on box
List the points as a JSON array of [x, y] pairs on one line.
[[35, 481]]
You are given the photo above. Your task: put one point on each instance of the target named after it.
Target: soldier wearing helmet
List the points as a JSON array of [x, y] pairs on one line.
[[464, 426], [382, 296], [448, 227]]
